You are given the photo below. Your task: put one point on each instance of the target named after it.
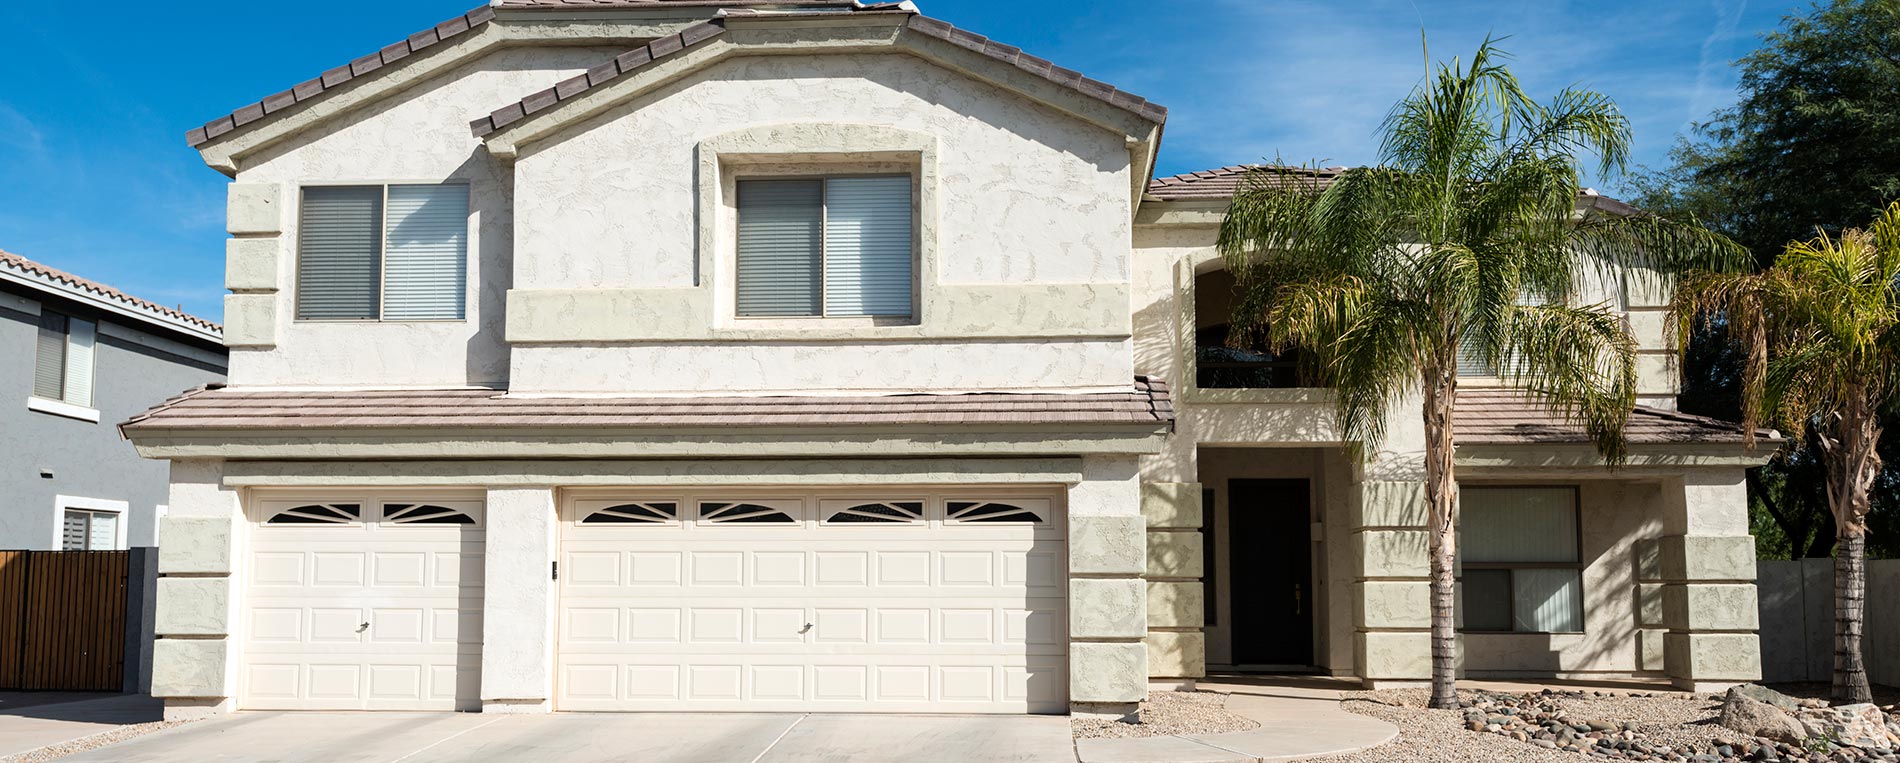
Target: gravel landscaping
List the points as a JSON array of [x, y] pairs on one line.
[[1167, 713], [94, 742], [1536, 728]]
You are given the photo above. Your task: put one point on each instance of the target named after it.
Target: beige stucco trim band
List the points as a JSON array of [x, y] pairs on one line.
[[962, 471]]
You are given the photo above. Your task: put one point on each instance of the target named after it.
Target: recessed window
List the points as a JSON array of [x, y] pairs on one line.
[[825, 248], [1519, 551], [88, 530], [62, 364], [393, 253]]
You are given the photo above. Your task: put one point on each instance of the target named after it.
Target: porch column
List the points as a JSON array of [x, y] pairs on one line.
[[1391, 587], [1177, 601], [518, 595], [194, 658], [1108, 614], [1706, 561]]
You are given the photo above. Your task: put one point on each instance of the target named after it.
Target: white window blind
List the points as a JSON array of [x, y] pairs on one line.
[[63, 362], [424, 268], [1523, 571], [396, 253], [836, 247], [867, 246], [780, 247], [82, 530]]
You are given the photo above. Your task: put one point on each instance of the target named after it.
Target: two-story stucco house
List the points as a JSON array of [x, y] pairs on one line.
[[80, 356], [807, 356]]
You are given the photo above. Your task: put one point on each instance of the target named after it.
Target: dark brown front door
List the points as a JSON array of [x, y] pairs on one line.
[[1271, 557]]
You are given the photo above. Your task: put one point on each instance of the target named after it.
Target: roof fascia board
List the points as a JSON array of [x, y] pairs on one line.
[[924, 471], [1199, 213], [766, 36], [1643, 458], [113, 306]]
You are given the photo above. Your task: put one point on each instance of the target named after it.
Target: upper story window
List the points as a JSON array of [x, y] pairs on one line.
[[383, 252], [62, 364], [1523, 569], [837, 247]]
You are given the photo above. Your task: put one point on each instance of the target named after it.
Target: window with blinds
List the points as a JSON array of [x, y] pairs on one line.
[[825, 248], [1520, 553], [62, 363], [393, 253], [82, 530]]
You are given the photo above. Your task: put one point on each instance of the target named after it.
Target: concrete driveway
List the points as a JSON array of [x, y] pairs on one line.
[[584, 738]]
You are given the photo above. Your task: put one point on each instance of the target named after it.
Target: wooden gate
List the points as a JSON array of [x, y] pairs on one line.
[[62, 620]]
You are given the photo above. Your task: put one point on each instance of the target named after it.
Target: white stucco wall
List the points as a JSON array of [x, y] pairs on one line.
[[420, 135], [1025, 196]]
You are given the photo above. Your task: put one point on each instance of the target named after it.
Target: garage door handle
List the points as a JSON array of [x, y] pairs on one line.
[[363, 627], [806, 629]]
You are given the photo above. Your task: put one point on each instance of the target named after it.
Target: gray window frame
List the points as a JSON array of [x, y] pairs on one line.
[[1576, 517], [824, 216]]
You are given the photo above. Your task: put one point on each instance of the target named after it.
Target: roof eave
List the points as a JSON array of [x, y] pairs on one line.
[[106, 304]]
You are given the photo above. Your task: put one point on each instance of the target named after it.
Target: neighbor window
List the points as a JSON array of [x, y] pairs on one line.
[[1519, 549], [393, 253], [86, 530], [825, 248], [62, 365]]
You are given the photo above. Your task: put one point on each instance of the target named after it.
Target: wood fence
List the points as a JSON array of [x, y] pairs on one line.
[[62, 620]]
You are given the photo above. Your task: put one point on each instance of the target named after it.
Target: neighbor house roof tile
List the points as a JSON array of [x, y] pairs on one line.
[[1223, 182], [37, 271], [215, 407], [1512, 417]]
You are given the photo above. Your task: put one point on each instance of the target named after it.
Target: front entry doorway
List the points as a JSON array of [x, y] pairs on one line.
[[1271, 572]]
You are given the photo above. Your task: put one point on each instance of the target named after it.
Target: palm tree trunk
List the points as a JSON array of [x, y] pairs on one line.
[[1853, 462], [1441, 498], [1850, 599]]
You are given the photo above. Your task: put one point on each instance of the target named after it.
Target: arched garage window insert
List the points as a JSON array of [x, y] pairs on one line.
[[319, 514], [993, 512], [424, 514], [877, 512], [666, 513], [714, 513]]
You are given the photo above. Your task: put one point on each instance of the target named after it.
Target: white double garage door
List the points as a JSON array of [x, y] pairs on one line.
[[703, 600]]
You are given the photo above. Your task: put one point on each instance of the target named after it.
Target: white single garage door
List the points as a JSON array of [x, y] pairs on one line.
[[364, 602], [891, 601]]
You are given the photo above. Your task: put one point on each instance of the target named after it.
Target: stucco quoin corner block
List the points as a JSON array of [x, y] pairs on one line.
[[1698, 557], [250, 320], [1393, 604], [254, 208], [250, 264], [1392, 554], [193, 607], [1175, 554], [1108, 672], [194, 545], [1176, 605], [1386, 503], [1711, 607], [1107, 609], [1171, 504], [1394, 656], [1176, 654], [1649, 604], [1101, 545], [1713, 656], [188, 668], [1650, 650]]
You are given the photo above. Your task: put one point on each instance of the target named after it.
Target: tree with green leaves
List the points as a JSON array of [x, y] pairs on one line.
[[1466, 240], [1821, 333]]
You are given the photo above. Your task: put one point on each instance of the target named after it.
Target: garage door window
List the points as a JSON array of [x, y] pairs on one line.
[[743, 513], [1017, 512], [663, 514], [874, 512], [319, 514], [424, 514]]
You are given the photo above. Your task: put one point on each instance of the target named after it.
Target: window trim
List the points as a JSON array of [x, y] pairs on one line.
[[62, 408], [1576, 517], [824, 221], [89, 411], [470, 254], [64, 503]]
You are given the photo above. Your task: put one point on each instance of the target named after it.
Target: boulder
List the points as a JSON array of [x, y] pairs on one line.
[[1761, 693], [1861, 725], [1760, 719]]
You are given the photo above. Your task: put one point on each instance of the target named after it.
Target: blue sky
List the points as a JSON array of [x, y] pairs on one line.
[[95, 97]]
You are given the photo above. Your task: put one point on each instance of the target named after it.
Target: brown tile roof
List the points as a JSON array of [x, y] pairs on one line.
[[1223, 182], [698, 33], [560, 4], [1512, 417], [16, 263], [317, 86], [215, 407]]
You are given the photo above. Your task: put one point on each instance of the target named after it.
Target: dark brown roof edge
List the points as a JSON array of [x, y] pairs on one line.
[[41, 270], [316, 87], [1041, 67], [607, 71]]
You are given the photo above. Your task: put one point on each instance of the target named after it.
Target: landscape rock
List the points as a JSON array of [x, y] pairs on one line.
[[1766, 695], [1862, 726], [1741, 712]]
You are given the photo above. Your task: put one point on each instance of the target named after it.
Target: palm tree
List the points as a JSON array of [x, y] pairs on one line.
[[1821, 333], [1386, 277]]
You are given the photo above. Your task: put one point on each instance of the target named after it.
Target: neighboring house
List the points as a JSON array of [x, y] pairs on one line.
[[810, 358], [82, 356]]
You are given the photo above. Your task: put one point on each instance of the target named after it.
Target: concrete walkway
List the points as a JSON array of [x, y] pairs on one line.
[[28, 721], [1299, 718]]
